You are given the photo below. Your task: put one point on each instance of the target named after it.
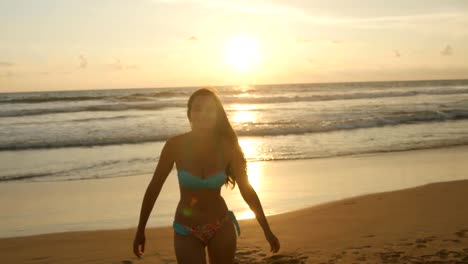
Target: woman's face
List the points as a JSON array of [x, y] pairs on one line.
[[203, 113]]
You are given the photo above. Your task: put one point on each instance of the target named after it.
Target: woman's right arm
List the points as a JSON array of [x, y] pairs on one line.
[[164, 167]]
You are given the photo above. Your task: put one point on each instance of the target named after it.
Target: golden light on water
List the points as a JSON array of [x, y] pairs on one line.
[[246, 215], [243, 88], [251, 148], [254, 171], [244, 117], [243, 107], [243, 114]]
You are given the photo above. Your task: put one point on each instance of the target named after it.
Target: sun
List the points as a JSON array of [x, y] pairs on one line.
[[242, 53]]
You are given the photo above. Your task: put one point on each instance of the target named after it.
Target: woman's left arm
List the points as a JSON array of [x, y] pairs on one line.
[[251, 198]]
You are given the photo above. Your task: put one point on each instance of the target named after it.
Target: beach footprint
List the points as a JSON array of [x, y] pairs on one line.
[[253, 255], [285, 258], [247, 255], [422, 242], [40, 260], [457, 241], [462, 233], [360, 247], [391, 256]]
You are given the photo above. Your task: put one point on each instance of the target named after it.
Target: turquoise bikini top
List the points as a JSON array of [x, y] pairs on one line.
[[190, 181]]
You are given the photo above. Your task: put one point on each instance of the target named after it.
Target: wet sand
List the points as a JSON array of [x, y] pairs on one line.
[[425, 224]]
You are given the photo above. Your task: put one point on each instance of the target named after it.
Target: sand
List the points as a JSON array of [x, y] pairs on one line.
[[424, 224]]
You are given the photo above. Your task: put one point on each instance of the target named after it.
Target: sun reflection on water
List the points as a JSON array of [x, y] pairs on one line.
[[254, 172], [244, 114], [255, 175], [246, 215], [252, 151]]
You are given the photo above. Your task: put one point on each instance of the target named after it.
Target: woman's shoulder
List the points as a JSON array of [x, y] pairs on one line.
[[172, 146], [174, 142]]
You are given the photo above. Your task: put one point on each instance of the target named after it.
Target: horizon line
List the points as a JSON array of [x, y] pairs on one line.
[[227, 85]]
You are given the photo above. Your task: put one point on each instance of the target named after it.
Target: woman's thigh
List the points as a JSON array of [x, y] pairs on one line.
[[189, 249], [222, 247]]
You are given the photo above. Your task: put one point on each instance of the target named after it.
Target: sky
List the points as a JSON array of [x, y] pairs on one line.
[[107, 44]]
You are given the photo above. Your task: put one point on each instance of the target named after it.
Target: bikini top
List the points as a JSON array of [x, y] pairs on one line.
[[190, 181]]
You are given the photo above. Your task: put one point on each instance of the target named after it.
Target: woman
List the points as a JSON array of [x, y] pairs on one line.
[[206, 158]]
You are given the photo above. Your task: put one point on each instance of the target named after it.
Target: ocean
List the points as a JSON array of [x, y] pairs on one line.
[[122, 131], [101, 134]]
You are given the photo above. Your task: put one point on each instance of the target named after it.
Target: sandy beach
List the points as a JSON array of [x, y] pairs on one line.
[[424, 224]]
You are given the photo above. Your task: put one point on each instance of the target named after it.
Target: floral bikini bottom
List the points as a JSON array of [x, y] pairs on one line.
[[205, 232]]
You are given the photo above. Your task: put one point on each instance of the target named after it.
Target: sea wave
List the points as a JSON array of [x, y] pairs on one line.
[[342, 96], [50, 97], [131, 104], [116, 168], [80, 172], [93, 108], [248, 129]]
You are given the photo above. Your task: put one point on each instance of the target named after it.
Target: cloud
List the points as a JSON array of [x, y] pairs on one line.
[[447, 51], [50, 73], [230, 5], [382, 21], [83, 62], [444, 22], [118, 65], [310, 40], [132, 67], [6, 74], [193, 38], [396, 53], [5, 64], [323, 15]]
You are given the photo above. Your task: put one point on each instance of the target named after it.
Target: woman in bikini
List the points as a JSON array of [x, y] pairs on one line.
[[206, 158]]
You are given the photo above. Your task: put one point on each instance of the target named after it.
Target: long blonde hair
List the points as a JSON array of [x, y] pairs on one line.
[[223, 129]]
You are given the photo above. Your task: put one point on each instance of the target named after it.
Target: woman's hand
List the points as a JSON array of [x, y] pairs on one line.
[[138, 243], [274, 242]]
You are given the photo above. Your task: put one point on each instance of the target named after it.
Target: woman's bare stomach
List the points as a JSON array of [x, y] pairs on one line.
[[200, 207]]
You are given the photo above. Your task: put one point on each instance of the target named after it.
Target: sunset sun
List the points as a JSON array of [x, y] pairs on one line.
[[242, 53]]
